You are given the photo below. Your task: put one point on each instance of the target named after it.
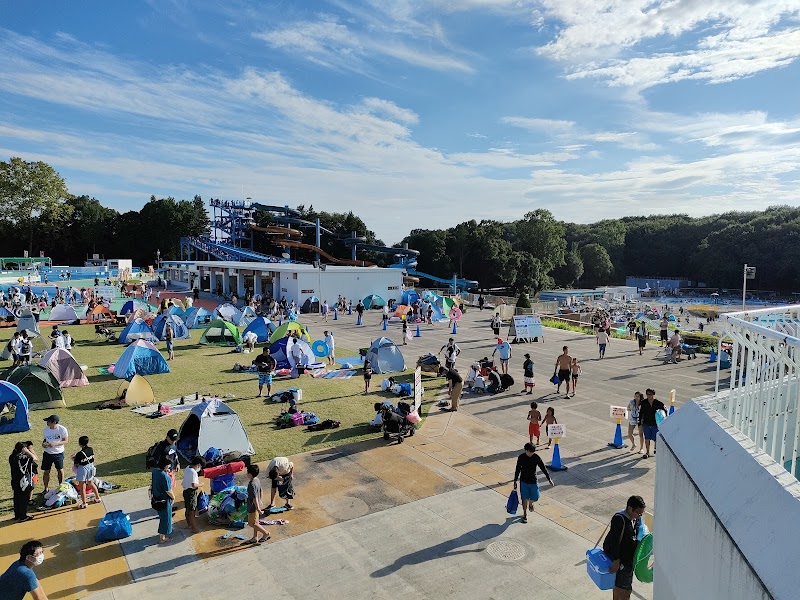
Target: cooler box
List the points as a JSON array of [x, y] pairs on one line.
[[597, 566]]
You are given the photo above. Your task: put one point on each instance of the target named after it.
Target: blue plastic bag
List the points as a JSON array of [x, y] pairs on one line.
[[115, 525], [220, 483], [202, 502], [513, 503]]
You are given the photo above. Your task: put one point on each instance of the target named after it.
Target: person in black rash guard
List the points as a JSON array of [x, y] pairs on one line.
[[647, 419], [527, 462], [620, 545]]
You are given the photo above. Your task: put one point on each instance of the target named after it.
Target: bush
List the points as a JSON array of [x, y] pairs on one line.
[[523, 301]]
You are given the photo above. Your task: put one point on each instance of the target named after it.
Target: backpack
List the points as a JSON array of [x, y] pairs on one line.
[[25, 348], [150, 456], [213, 456]]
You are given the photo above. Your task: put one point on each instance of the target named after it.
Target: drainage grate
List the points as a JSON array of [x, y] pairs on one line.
[[506, 551]]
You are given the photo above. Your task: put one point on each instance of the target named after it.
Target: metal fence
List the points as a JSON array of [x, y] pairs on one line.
[[762, 395]]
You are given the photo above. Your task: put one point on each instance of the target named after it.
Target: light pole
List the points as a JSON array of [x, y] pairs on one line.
[[749, 273]]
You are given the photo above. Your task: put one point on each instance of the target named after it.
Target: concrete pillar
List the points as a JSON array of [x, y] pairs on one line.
[[240, 291], [257, 291], [226, 282], [212, 281]]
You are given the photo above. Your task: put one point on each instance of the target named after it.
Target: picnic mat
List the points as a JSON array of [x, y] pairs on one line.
[[340, 374], [175, 406], [351, 359]]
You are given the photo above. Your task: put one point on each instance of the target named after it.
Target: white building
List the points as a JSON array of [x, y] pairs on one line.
[[295, 281], [727, 501]]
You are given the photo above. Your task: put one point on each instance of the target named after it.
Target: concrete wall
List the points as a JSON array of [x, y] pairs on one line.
[[727, 516], [353, 284]]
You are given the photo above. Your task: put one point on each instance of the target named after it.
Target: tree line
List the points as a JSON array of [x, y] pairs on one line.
[[527, 255]]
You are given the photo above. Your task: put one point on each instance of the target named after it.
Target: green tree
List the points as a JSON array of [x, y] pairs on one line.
[[539, 234], [597, 263], [432, 247], [30, 190], [572, 269]]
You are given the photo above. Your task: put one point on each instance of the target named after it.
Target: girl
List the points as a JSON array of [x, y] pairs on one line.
[[575, 370], [527, 372], [367, 376], [549, 419], [85, 471], [633, 421], [534, 417]]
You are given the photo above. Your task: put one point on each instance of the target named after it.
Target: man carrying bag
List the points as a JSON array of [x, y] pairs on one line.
[[620, 545]]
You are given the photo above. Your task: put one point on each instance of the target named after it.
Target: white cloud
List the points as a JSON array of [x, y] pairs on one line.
[[534, 124]]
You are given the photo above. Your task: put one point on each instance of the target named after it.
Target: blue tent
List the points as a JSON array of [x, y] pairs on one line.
[[436, 314], [137, 330], [197, 318], [132, 305], [11, 394], [409, 297], [179, 329], [4, 312], [373, 301], [278, 352], [176, 310], [248, 316], [262, 327], [140, 358], [228, 312]]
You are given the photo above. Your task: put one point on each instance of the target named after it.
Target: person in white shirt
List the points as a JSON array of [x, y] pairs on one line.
[[25, 349], [68, 341], [329, 341], [55, 439], [191, 488], [603, 340]]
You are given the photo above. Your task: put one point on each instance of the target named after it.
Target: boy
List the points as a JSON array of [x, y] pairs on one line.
[[254, 507], [575, 371], [534, 417], [527, 372], [191, 487]]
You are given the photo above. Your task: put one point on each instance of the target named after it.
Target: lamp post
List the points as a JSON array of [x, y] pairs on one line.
[[748, 273]]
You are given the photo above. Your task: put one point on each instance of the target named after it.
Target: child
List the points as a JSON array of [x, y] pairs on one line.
[[549, 419], [254, 507], [405, 330], [191, 487], [575, 370], [85, 471], [367, 376], [534, 417], [527, 372]]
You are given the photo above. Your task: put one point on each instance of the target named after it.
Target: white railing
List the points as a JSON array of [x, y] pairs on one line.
[[762, 397]]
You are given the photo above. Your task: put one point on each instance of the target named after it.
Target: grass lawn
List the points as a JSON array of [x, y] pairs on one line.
[[120, 438]]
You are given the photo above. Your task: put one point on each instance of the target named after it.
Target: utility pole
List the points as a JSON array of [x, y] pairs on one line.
[[749, 273]]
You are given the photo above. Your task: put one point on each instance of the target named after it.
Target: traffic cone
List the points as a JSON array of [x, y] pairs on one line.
[[335, 315], [358, 320], [713, 356], [384, 324], [671, 402], [555, 464], [455, 328], [418, 334], [671, 409], [618, 443]]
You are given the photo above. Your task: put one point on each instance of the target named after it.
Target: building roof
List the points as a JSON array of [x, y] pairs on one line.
[[264, 266]]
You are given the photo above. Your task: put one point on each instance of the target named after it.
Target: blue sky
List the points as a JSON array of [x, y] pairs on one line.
[[412, 113]]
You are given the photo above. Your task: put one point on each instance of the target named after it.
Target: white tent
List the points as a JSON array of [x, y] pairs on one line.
[[27, 321], [63, 312], [213, 424], [296, 348], [385, 357]]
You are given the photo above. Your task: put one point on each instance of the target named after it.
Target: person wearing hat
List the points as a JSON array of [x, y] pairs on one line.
[[54, 439], [505, 354], [166, 449]]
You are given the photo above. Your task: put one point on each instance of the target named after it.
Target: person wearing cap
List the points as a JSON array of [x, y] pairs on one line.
[[505, 354], [54, 440], [166, 449]]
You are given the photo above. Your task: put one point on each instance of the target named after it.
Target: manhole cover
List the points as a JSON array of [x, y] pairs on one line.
[[506, 551]]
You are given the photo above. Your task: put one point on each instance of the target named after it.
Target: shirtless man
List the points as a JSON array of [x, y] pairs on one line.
[[563, 367]]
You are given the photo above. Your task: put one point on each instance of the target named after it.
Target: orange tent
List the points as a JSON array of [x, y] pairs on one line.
[[401, 310], [101, 312]]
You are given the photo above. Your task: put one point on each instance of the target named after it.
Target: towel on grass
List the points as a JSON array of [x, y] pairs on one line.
[[340, 374]]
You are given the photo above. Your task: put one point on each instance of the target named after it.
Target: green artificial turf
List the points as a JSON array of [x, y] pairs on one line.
[[120, 438]]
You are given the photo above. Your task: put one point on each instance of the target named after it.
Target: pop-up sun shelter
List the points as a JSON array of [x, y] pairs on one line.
[[138, 391], [137, 329], [101, 313], [197, 318], [27, 321], [311, 305], [409, 297], [132, 305], [385, 357], [64, 368], [176, 310], [141, 358], [213, 424], [40, 387], [179, 329], [15, 419], [289, 327], [221, 333], [305, 354], [63, 312], [262, 327], [374, 301], [228, 312]]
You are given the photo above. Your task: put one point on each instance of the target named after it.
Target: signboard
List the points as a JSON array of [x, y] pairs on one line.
[[106, 291], [306, 291], [526, 328], [619, 412], [418, 388], [556, 431]]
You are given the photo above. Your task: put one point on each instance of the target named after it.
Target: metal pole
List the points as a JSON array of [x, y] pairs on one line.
[[744, 287]]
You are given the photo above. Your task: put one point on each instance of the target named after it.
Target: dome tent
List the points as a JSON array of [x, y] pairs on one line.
[[137, 329], [311, 305], [409, 297], [132, 305], [64, 368], [196, 317], [212, 424], [221, 333], [299, 349], [385, 357], [141, 358], [40, 387], [176, 310], [228, 312], [27, 321], [18, 422], [63, 312], [248, 316], [179, 329], [374, 301], [289, 327], [262, 327]]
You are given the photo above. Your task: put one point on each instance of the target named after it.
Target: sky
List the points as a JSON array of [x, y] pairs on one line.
[[412, 114]]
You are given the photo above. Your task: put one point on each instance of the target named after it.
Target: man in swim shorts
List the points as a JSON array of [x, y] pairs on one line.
[[563, 369]]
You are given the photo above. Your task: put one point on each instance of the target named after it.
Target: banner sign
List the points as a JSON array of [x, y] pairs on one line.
[[526, 327], [106, 291], [619, 412], [556, 431]]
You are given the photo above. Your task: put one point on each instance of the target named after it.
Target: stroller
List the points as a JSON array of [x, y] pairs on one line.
[[101, 332], [395, 422]]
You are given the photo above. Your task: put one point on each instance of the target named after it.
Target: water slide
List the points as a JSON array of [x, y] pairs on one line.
[[462, 283], [321, 252], [278, 230]]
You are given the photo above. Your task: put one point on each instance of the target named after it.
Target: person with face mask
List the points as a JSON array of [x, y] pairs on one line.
[[19, 579]]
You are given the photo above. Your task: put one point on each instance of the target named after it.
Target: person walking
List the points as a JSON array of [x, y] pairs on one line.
[[13, 348], [603, 339], [527, 375], [505, 354], [647, 419], [55, 438], [85, 471], [496, 323], [405, 329], [534, 417], [367, 375], [25, 349], [620, 545], [663, 335], [641, 336], [575, 371], [265, 365], [549, 419], [325, 310], [23, 461], [633, 421], [480, 302], [254, 508], [163, 496], [169, 336], [525, 472], [191, 487], [19, 579], [451, 352], [563, 369]]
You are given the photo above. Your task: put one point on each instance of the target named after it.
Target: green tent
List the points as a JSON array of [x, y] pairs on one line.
[[221, 333], [290, 327], [39, 385]]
